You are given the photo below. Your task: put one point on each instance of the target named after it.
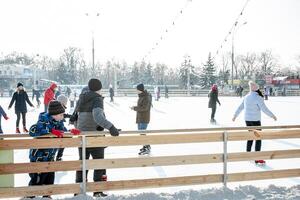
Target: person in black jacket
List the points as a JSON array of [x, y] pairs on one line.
[[213, 99], [20, 97]]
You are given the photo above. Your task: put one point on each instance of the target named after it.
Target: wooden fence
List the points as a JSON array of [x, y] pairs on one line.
[[162, 137]]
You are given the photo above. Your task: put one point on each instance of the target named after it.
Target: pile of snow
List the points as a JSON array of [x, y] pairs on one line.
[[240, 193]]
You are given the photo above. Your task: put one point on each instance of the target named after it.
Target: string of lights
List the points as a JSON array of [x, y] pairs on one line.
[[167, 30], [230, 32]]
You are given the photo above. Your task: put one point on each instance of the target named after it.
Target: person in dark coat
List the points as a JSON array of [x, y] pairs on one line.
[[166, 91], [213, 99], [143, 113], [111, 93], [2, 113], [90, 108], [20, 98]]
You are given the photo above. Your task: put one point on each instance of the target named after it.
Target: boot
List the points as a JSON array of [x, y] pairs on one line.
[[25, 130], [99, 194], [18, 130]]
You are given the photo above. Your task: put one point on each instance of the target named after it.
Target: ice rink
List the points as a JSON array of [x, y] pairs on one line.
[[178, 113]]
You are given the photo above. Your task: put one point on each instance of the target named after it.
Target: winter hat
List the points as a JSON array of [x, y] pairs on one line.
[[214, 87], [95, 84], [140, 87], [20, 84], [55, 108], [62, 99]]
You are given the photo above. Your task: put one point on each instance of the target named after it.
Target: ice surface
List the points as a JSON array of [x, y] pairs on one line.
[[178, 112]]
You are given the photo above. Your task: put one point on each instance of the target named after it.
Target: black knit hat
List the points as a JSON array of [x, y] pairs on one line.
[[94, 84], [140, 87], [55, 108], [20, 84]]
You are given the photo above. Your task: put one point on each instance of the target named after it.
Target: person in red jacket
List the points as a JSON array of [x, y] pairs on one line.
[[49, 95]]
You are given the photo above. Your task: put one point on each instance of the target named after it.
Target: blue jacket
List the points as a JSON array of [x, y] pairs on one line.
[[43, 127], [253, 104]]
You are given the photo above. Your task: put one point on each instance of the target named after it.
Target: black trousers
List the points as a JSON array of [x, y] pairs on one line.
[[96, 153], [41, 178], [213, 112], [60, 152], [23, 119], [250, 142]]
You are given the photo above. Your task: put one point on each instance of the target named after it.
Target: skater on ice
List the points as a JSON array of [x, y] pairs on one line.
[[49, 95], [20, 98], [111, 93], [212, 103], [90, 116], [143, 113], [252, 104]]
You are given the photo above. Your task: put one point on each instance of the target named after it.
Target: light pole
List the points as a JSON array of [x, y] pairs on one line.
[[187, 63], [232, 52], [93, 41]]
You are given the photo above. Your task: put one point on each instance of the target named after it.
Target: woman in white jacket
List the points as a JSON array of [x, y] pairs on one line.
[[253, 103]]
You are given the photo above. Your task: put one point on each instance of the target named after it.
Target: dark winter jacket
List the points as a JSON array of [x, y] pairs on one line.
[[2, 112], [91, 112], [20, 98], [43, 127], [49, 94], [143, 107], [111, 92], [213, 99]]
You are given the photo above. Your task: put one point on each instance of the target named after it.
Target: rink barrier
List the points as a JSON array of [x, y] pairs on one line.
[[93, 139]]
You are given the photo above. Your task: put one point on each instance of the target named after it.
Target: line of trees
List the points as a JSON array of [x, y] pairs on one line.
[[72, 68]]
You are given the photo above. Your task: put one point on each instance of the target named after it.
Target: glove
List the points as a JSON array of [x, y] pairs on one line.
[[75, 131], [99, 128], [113, 131], [58, 133], [5, 117]]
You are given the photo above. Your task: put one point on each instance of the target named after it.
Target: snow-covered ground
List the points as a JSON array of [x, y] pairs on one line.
[[180, 112]]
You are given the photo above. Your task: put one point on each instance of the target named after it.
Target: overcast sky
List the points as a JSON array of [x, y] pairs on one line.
[[128, 29]]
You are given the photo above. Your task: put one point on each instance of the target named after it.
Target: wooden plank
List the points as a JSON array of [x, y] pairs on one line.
[[39, 167], [190, 180], [188, 138], [144, 162], [264, 135], [146, 183], [153, 139], [39, 143], [95, 133], [39, 190], [274, 174]]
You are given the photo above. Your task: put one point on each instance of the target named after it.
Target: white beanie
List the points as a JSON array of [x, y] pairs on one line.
[[62, 99]]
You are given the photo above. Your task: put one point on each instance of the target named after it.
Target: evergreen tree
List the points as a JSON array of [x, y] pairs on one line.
[[208, 77]]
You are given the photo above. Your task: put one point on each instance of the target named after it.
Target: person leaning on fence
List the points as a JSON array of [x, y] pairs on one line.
[[64, 101], [48, 123], [253, 104], [90, 117]]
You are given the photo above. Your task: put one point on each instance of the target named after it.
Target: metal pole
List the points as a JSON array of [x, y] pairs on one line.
[[232, 59], [93, 52], [189, 78], [115, 80], [83, 183], [225, 177]]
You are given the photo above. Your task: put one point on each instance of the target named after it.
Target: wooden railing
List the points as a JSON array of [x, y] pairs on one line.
[[127, 138]]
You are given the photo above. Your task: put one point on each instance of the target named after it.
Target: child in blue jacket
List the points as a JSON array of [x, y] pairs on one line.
[[50, 122]]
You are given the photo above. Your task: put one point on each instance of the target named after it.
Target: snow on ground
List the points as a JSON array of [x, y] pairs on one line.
[[179, 112]]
